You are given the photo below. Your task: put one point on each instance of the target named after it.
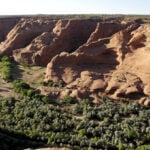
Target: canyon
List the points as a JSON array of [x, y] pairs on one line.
[[91, 58]]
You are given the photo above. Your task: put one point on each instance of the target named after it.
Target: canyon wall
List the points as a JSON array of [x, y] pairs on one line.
[[91, 57], [6, 24]]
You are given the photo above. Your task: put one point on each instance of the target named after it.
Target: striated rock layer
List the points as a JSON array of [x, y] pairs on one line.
[[92, 57]]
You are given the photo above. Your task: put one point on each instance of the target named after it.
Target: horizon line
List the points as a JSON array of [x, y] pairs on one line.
[[123, 14]]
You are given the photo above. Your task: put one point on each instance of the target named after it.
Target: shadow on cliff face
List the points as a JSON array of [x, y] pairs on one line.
[[99, 64], [6, 24], [17, 72], [67, 38], [23, 33], [68, 67]]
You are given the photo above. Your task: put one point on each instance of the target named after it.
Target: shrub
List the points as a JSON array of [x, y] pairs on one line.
[[20, 85], [6, 73], [45, 99], [53, 84], [6, 68], [4, 58], [30, 93], [77, 109], [120, 146], [69, 100], [87, 102]]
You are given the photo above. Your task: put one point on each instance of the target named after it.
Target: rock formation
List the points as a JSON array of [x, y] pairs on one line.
[[37, 41], [92, 57], [116, 64], [23, 33]]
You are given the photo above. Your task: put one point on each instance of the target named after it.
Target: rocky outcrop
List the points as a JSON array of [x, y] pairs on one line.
[[67, 35], [91, 57], [116, 64], [104, 30], [144, 101], [23, 33], [38, 40]]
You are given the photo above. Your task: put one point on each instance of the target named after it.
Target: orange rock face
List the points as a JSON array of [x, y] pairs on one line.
[[92, 57], [116, 64], [23, 33], [38, 41]]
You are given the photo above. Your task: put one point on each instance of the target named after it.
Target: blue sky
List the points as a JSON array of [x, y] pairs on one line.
[[12, 7]]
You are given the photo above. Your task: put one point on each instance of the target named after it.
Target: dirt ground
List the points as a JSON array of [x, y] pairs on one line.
[[33, 75]]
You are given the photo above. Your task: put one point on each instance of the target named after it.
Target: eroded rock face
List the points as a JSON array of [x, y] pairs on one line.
[[67, 35], [91, 57], [117, 65], [104, 30], [6, 24], [23, 33]]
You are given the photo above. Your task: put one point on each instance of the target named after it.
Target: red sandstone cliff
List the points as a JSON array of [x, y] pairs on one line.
[[67, 35], [23, 33], [92, 57], [117, 65]]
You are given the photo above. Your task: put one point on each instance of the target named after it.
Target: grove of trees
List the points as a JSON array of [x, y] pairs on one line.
[[80, 126]]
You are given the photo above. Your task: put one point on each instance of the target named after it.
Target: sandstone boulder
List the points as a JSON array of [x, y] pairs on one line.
[[98, 85], [142, 100], [147, 103]]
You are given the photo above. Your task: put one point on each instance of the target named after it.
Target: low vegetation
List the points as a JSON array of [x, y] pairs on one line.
[[6, 68], [81, 126], [53, 84], [25, 91]]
